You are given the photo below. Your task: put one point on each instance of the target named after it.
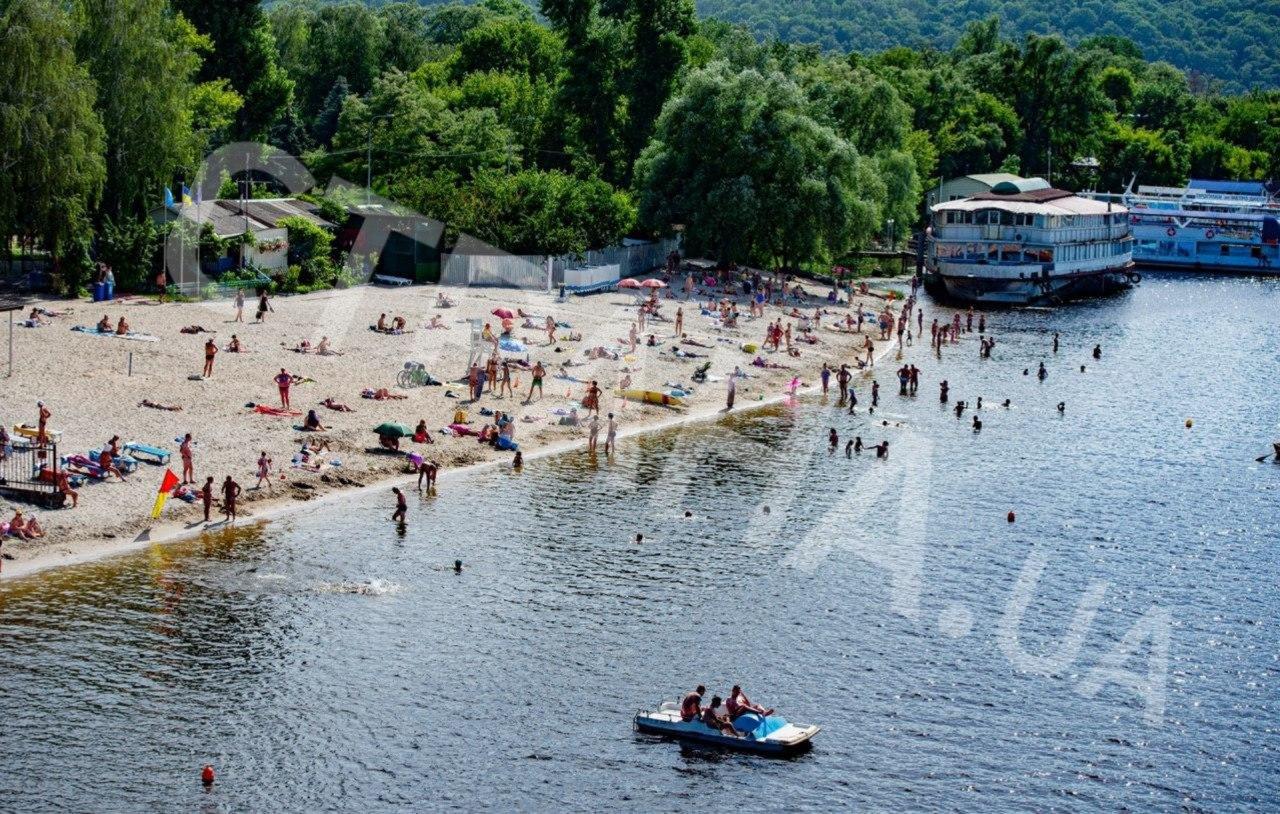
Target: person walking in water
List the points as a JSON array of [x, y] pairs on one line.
[[402, 506], [1055, 341], [1097, 351], [611, 435], [1042, 374], [943, 389]]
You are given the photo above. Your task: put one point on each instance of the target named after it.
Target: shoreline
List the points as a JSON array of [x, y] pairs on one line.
[[282, 506]]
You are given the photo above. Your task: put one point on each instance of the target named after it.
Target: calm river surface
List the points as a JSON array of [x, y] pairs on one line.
[[890, 602]]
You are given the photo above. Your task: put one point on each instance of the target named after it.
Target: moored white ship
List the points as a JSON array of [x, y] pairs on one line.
[[1025, 243]]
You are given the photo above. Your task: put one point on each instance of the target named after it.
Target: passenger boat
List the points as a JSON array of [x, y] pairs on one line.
[[771, 736], [1026, 243], [1222, 226]]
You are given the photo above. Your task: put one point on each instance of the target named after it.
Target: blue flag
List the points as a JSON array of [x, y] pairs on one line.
[[168, 197]]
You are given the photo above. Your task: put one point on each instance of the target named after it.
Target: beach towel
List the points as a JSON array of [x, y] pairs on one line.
[[511, 345], [92, 330]]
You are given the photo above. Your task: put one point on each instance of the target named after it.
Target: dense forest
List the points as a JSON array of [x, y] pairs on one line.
[[1231, 42], [566, 131]]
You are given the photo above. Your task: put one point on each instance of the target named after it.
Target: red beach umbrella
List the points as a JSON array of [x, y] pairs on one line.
[[630, 282], [653, 283], [502, 313]]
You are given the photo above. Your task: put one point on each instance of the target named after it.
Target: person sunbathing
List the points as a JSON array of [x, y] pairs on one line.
[[443, 302], [381, 394], [155, 405], [382, 323], [195, 329], [760, 362], [437, 323], [316, 445], [323, 348], [685, 340], [303, 347], [18, 527], [106, 462], [104, 325], [35, 318], [312, 422], [234, 345], [397, 325], [333, 405], [122, 327]]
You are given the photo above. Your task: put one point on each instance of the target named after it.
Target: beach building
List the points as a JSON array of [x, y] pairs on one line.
[[230, 219]]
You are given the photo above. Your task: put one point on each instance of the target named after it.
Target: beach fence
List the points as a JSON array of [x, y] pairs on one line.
[[29, 472], [594, 269]]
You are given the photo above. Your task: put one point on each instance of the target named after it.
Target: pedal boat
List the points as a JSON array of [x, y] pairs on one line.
[[771, 736]]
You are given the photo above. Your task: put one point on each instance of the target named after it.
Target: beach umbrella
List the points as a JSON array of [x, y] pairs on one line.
[[630, 282], [502, 313], [653, 282], [394, 430]]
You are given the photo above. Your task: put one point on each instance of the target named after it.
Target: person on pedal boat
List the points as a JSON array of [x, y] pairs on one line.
[[715, 719], [691, 704], [738, 704]]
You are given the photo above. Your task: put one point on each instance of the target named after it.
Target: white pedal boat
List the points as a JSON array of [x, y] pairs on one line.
[[772, 735]]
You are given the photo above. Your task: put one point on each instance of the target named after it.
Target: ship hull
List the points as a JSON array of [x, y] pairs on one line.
[[1002, 291]]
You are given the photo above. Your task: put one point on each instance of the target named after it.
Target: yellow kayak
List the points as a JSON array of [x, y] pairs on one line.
[[652, 397]]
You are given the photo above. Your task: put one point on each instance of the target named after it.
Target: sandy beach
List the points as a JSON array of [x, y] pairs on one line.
[[86, 381]]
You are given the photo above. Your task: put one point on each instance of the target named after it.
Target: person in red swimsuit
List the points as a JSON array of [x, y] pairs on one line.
[[283, 380], [691, 705]]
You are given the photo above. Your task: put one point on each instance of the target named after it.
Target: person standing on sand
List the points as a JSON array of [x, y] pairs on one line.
[[826, 377], [593, 433], [504, 386], [210, 351], [283, 380], [592, 400], [491, 372], [64, 486], [538, 372], [206, 496], [161, 284], [551, 330], [230, 491], [239, 306], [402, 506], [264, 472], [679, 321], [263, 307], [184, 450], [42, 425]]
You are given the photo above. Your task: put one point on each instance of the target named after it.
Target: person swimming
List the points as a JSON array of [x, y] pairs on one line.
[[1062, 406], [1042, 374], [977, 424]]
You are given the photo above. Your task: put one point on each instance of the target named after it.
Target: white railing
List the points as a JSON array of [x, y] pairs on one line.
[[530, 272], [1028, 234]]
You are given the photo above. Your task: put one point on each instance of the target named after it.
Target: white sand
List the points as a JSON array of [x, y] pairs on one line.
[[84, 381]]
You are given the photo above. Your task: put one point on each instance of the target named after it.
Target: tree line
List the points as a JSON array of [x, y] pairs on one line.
[[564, 132]]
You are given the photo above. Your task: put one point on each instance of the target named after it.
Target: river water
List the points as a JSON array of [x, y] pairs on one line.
[[327, 662]]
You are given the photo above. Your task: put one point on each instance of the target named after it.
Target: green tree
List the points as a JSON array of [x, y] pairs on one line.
[[404, 36], [51, 140], [509, 46], [346, 40], [1127, 151], [658, 30], [144, 59], [244, 53], [739, 160], [325, 125]]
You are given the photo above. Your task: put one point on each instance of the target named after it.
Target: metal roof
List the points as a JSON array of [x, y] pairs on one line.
[[1033, 203]]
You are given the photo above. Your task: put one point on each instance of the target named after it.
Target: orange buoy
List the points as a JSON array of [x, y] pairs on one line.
[[1012, 516], [206, 775]]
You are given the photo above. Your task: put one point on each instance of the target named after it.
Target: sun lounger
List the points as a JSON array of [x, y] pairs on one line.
[[385, 279], [124, 463], [82, 464], [154, 455]]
